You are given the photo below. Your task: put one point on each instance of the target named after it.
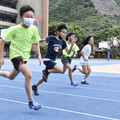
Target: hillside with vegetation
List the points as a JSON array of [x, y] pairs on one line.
[[108, 7], [83, 13], [118, 2], [99, 18]]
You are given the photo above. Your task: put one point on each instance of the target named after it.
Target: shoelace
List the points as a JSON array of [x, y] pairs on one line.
[[35, 103]]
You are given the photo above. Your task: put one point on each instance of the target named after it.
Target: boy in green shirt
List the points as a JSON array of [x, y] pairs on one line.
[[23, 35], [66, 58]]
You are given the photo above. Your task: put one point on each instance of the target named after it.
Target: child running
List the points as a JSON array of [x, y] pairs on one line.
[[66, 59], [85, 53], [55, 44], [23, 35]]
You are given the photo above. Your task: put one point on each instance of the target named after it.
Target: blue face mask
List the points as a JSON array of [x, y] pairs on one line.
[[28, 21]]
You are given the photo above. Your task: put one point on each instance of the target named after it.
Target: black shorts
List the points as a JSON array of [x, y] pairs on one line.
[[66, 60], [17, 61]]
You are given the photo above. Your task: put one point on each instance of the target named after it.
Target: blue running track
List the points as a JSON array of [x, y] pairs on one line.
[[98, 101]]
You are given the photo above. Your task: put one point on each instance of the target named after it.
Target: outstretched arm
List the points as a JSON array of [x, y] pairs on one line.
[[1, 52], [43, 42], [38, 52]]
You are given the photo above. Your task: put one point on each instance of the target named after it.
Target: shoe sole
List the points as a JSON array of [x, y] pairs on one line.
[[39, 108], [36, 94], [85, 83], [74, 85]]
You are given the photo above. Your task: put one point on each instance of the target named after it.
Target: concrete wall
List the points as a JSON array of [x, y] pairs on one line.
[[45, 11], [37, 5], [6, 9]]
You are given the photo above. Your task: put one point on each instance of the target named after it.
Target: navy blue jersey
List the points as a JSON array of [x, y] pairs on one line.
[[54, 47]]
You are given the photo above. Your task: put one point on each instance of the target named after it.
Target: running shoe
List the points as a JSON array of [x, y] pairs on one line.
[[34, 88], [84, 82], [74, 84], [74, 68], [34, 105]]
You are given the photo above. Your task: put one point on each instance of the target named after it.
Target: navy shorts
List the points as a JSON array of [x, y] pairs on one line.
[[17, 61], [49, 64]]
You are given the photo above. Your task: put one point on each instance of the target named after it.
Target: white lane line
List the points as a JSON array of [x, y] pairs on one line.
[[66, 94], [91, 83], [108, 90], [81, 96], [84, 87], [63, 110], [105, 84]]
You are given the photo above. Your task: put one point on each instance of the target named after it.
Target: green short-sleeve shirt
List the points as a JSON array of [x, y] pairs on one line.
[[74, 49], [21, 40]]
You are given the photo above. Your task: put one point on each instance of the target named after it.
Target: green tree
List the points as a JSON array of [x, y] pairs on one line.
[[109, 35], [82, 13]]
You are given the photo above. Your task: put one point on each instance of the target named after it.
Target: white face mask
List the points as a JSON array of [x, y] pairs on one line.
[[28, 21]]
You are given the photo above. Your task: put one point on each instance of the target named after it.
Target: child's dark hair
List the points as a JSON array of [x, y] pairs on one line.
[[69, 34], [61, 26], [26, 8], [85, 41]]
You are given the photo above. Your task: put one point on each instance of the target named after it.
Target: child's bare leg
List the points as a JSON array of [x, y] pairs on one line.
[[57, 69], [69, 72], [10, 75], [39, 82], [28, 79], [88, 69], [64, 69], [81, 70], [85, 71]]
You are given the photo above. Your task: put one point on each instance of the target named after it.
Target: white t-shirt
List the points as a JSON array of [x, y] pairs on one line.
[[87, 52]]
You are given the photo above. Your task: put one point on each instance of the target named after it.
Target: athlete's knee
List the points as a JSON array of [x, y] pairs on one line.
[[70, 69], [28, 76], [11, 78], [62, 71], [86, 72], [90, 71]]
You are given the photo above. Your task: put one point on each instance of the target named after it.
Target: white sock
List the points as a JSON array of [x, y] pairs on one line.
[[83, 80], [30, 100]]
